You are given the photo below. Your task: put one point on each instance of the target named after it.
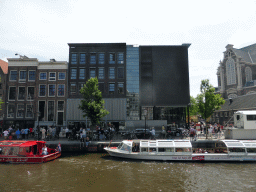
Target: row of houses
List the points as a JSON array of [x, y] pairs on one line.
[[137, 83]]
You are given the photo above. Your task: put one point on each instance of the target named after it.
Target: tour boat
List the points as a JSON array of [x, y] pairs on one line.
[[16, 151], [184, 150]]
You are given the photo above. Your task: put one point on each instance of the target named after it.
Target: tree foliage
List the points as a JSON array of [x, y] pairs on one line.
[[193, 107], [92, 103], [207, 101]]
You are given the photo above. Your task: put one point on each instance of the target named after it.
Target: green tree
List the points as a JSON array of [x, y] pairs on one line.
[[207, 100], [193, 107], [92, 103]]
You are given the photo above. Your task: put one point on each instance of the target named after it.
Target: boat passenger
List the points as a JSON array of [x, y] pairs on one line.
[[5, 134], [45, 152]]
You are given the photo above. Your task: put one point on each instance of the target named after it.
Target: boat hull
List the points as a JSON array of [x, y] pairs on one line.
[[30, 159], [192, 157]]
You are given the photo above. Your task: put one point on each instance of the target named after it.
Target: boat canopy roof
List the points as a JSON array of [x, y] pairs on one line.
[[165, 143], [20, 143], [240, 143]]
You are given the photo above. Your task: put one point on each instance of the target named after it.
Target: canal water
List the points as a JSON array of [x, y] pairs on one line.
[[100, 172]]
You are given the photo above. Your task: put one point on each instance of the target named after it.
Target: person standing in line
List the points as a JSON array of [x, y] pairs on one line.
[[163, 132], [26, 133], [6, 133], [43, 133], [17, 134]]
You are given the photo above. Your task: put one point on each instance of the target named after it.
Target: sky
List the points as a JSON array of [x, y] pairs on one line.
[[42, 28]]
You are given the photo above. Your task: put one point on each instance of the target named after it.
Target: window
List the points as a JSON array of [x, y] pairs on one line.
[[43, 76], [111, 88], [61, 90], [101, 73], [101, 58], [13, 75], [12, 93], [120, 88], [73, 73], [92, 72], [23, 75], [73, 88], [111, 74], [32, 75], [101, 87], [231, 71], [62, 76], [52, 76], [60, 105], [73, 58], [120, 73], [112, 58], [80, 86], [10, 110], [248, 74], [82, 73], [120, 58], [51, 90], [82, 58], [21, 94], [251, 117], [42, 90], [29, 111], [20, 111], [92, 58], [50, 110]]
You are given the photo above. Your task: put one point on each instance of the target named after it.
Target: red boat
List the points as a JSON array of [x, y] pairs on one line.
[[26, 152]]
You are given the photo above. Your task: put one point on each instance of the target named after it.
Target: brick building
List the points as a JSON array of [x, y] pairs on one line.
[[236, 76]]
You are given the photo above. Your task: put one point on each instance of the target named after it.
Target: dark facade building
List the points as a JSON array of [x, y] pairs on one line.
[[137, 82], [35, 91], [236, 76]]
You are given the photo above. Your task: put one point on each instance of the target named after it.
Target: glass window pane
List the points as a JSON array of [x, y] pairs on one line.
[[120, 73], [50, 110], [111, 88], [101, 73], [21, 94], [32, 76], [111, 73], [23, 75], [51, 90], [42, 90], [12, 93], [42, 76], [112, 58], [92, 73], [13, 75], [73, 73], [101, 58], [74, 58], [120, 88], [31, 92], [62, 76], [93, 58], [61, 90], [120, 58], [81, 73], [52, 76], [82, 58]]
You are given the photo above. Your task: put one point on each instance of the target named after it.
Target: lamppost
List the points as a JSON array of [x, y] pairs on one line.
[[38, 130], [145, 114]]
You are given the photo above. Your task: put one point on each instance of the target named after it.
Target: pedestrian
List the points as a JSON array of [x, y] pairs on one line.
[[153, 133], [210, 131], [87, 141], [191, 133], [18, 134], [67, 132], [218, 132], [43, 133], [26, 131], [6, 133], [22, 133], [31, 131], [163, 132]]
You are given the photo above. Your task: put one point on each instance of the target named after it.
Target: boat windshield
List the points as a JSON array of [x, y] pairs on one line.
[[124, 147], [9, 151]]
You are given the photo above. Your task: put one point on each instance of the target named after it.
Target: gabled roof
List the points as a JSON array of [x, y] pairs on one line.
[[244, 102], [4, 66]]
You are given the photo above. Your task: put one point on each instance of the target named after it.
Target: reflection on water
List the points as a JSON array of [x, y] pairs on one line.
[[100, 172]]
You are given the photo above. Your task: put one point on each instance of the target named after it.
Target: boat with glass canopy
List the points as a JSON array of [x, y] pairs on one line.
[[185, 150]]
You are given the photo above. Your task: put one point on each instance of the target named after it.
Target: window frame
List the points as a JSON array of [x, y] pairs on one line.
[[22, 80], [109, 73], [19, 93], [45, 75], [10, 79], [30, 75], [63, 90], [73, 62], [59, 76], [52, 78], [109, 88], [82, 63], [92, 69], [79, 77], [45, 91], [71, 73], [49, 90], [103, 74], [10, 94]]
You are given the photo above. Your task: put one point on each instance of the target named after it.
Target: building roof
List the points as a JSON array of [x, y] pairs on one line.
[[4, 66], [248, 54], [244, 102]]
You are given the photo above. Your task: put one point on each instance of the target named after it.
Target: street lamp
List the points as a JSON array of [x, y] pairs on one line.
[[145, 114], [38, 130]]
